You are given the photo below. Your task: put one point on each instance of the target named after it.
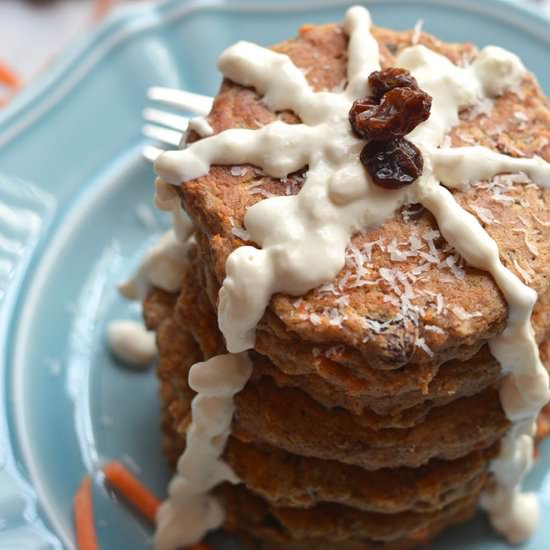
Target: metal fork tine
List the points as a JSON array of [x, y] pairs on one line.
[[195, 103], [167, 127], [176, 122], [171, 137]]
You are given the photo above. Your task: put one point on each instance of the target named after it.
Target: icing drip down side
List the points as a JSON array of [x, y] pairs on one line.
[[163, 264], [131, 343], [190, 511], [525, 390], [302, 238], [161, 267]]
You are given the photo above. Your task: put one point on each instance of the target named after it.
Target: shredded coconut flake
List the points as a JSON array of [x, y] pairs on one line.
[[421, 343], [241, 232], [434, 328], [397, 255], [456, 270], [484, 214], [532, 247], [375, 326], [417, 31], [481, 108], [440, 303], [238, 171], [541, 222], [466, 138], [523, 272], [519, 115], [523, 221], [263, 192], [343, 300], [315, 319], [462, 314]]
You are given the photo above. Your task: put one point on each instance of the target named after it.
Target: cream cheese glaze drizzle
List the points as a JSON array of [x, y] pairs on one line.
[[161, 267], [131, 343], [190, 511], [163, 264], [302, 238]]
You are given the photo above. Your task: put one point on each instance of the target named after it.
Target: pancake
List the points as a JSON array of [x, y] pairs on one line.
[[334, 524], [372, 329]]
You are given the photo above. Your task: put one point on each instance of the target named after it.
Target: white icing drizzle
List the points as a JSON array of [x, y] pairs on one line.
[[197, 124], [525, 390], [200, 125], [460, 166], [131, 343], [167, 199], [163, 264], [363, 54], [190, 511], [303, 237]]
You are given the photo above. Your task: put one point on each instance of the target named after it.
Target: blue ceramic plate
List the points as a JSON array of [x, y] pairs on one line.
[[76, 213]]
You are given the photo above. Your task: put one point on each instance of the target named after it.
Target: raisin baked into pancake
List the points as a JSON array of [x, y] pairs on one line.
[[384, 334]]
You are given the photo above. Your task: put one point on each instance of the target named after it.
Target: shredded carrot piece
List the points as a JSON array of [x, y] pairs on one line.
[[8, 77], [86, 538], [101, 8], [543, 425], [125, 482]]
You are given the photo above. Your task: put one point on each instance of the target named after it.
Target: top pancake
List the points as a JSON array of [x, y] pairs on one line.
[[404, 295]]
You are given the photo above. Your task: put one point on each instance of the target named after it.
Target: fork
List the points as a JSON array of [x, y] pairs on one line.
[[166, 127]]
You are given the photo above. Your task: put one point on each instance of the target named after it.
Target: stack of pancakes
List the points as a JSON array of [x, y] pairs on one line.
[[373, 411]]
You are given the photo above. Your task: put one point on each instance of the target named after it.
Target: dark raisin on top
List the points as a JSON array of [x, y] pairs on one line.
[[392, 164], [385, 80], [363, 108], [395, 108], [399, 112]]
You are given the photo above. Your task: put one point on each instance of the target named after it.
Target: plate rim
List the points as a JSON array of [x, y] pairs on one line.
[[35, 101], [126, 21]]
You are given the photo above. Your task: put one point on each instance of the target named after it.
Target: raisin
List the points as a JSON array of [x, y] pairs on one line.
[[364, 107], [398, 113], [385, 80], [392, 164]]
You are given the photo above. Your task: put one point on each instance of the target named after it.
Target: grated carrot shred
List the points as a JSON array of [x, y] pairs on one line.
[[101, 9], [304, 29], [8, 77], [132, 489], [86, 538]]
